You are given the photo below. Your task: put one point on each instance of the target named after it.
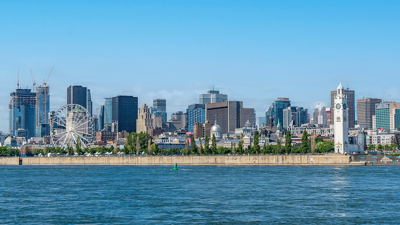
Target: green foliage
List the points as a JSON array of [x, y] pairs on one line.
[[288, 142], [78, 146], [256, 142], [193, 147], [213, 145], [201, 147], [371, 147], [239, 150], [324, 147], [27, 151], [279, 146], [206, 145], [398, 128], [131, 142], [304, 143], [380, 147]]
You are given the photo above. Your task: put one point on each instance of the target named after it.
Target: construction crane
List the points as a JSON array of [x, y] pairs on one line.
[[45, 96], [18, 80], [33, 82]]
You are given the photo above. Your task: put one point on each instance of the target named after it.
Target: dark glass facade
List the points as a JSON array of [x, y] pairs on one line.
[[125, 112]]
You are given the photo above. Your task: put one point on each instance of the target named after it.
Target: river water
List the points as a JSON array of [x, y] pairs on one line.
[[206, 195]]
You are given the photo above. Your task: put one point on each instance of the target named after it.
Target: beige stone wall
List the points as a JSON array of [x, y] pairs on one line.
[[284, 160], [9, 161]]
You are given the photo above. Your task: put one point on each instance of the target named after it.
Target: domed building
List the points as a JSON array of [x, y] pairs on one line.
[[216, 131]]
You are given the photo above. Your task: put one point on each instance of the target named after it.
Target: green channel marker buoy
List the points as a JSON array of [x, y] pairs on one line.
[[175, 167]]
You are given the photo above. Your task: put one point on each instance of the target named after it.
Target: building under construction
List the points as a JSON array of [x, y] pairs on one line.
[[42, 111], [23, 112]]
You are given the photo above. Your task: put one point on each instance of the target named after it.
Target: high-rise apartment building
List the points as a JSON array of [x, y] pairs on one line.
[[125, 112], [350, 104], [274, 113], [23, 112], [195, 113], [212, 96], [228, 115], [387, 116], [144, 123], [366, 110], [42, 111]]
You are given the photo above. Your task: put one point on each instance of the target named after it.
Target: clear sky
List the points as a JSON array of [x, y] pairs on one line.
[[254, 51]]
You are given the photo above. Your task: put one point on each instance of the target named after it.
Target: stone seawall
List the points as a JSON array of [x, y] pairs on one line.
[[252, 160]]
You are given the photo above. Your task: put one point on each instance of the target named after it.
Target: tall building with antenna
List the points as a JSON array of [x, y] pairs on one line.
[[212, 96]]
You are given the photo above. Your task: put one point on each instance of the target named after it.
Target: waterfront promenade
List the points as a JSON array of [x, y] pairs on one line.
[[211, 160]]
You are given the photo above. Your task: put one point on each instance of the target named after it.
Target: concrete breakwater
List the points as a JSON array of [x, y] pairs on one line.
[[248, 160]]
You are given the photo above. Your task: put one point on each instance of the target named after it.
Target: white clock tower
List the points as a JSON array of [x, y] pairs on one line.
[[341, 124]]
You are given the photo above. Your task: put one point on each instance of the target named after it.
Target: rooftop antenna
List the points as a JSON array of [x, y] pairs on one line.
[[18, 80]]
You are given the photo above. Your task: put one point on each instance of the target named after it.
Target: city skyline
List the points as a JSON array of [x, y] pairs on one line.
[[277, 50]]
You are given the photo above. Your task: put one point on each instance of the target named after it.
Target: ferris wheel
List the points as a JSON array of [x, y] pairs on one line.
[[72, 124]]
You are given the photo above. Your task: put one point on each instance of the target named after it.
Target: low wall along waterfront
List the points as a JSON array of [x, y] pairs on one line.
[[251, 160]]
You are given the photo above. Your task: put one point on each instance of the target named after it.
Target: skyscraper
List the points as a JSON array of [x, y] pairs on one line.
[[160, 104], [144, 123], [77, 95], [196, 113], [42, 111], [108, 111], [212, 96], [89, 103], [366, 110], [320, 116], [125, 112], [294, 114], [228, 115], [160, 109], [275, 111], [101, 117], [23, 112], [387, 116], [350, 104]]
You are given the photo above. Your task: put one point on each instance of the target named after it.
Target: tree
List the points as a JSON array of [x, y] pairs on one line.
[[371, 147], [304, 143], [27, 151], [241, 136], [288, 142], [398, 128], [78, 146], [279, 146], [213, 145], [137, 145], [201, 147], [240, 147], [186, 146], [193, 145], [206, 145], [149, 146], [380, 147], [256, 142], [234, 148]]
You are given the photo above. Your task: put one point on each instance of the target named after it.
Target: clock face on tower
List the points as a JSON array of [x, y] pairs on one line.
[[338, 106], [344, 106]]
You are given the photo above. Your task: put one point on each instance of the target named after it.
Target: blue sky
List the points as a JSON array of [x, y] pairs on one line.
[[254, 51]]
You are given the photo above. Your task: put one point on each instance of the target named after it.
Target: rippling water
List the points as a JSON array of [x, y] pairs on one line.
[[227, 195]]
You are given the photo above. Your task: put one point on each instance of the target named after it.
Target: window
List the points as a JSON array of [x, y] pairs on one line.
[[338, 119]]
